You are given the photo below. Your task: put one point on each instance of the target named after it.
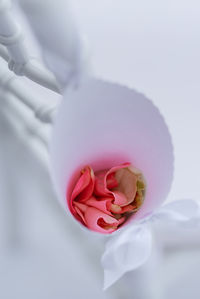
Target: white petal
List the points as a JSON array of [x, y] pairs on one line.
[[125, 252], [103, 124], [185, 211]]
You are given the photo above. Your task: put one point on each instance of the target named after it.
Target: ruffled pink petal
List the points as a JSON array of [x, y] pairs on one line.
[[94, 218], [111, 181], [119, 198], [121, 220], [80, 214], [102, 204], [100, 188], [82, 207], [127, 183], [128, 208], [124, 192], [115, 168], [84, 187], [105, 180]]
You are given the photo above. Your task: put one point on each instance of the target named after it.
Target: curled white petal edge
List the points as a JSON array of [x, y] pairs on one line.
[[180, 211], [125, 252], [131, 248]]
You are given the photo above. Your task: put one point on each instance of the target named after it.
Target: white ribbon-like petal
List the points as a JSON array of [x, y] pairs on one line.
[[185, 212], [126, 251], [129, 249]]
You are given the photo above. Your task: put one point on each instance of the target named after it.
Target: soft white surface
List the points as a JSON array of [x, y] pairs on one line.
[[153, 46], [105, 124], [42, 254]]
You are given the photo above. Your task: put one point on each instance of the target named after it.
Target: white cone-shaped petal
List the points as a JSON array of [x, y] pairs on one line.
[[103, 125]]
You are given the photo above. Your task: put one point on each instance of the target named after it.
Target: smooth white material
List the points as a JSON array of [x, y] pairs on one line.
[[153, 46], [43, 110], [105, 124], [131, 248], [11, 36], [16, 53], [60, 40], [125, 252], [32, 70]]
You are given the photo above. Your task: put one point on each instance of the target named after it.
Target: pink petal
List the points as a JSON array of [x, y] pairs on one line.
[[128, 208], [119, 198], [80, 214], [121, 220], [124, 181], [100, 188], [84, 187], [111, 181], [102, 204], [115, 189], [105, 180], [94, 216], [126, 189], [115, 168], [80, 206], [115, 209]]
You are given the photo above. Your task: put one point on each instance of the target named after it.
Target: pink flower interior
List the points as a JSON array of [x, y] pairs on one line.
[[104, 200]]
